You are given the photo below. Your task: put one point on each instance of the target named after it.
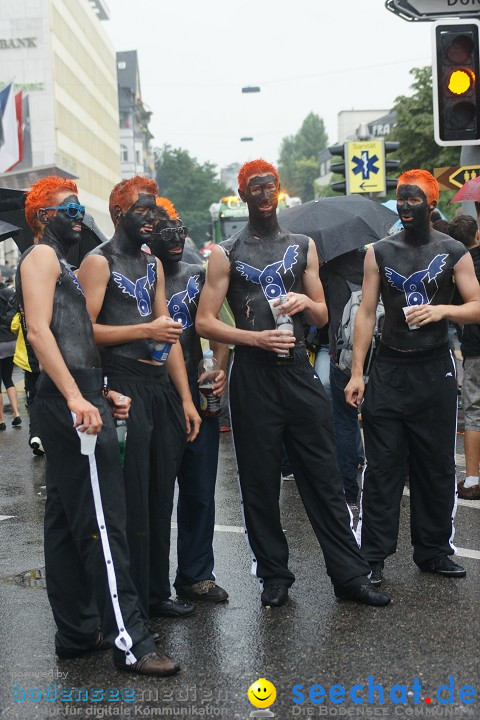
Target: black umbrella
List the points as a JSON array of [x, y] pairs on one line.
[[90, 238], [339, 224], [7, 230]]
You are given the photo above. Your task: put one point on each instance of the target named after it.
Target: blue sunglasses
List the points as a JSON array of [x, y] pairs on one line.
[[72, 209]]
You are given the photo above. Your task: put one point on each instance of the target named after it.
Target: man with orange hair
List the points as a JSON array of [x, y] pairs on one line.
[[125, 294], [197, 473], [86, 553], [410, 401], [275, 396]]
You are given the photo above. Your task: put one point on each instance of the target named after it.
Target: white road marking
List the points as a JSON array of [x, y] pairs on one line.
[[222, 528], [464, 552], [6, 517]]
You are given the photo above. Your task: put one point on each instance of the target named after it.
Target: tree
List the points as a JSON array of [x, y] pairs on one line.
[[414, 132], [191, 187], [298, 161]]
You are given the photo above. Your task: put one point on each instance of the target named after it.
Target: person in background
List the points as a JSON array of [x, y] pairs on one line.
[[464, 228], [7, 351], [338, 277], [197, 474]]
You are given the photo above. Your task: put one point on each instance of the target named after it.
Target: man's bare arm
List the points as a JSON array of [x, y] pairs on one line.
[[312, 302]]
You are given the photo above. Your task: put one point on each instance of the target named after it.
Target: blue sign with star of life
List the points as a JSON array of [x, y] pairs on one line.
[[365, 166]]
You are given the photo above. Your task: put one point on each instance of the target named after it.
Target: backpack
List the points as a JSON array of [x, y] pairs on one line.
[[8, 310], [344, 343]]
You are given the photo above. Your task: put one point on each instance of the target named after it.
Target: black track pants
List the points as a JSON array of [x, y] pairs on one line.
[[76, 566], [271, 404], [409, 409], [196, 501], [156, 436]]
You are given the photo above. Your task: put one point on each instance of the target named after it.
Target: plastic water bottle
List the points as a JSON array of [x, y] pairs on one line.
[[122, 438], [208, 370], [161, 351], [284, 323]]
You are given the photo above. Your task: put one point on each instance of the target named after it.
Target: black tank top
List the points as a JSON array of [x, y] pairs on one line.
[[262, 270], [414, 275], [129, 298], [183, 288], [71, 324]]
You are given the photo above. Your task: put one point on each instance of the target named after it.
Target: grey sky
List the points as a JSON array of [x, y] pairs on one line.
[[307, 55]]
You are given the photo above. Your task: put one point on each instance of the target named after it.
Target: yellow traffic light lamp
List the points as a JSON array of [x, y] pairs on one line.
[[456, 91]]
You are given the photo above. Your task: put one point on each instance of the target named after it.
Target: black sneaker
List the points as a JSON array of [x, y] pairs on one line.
[[205, 590], [376, 576], [444, 566]]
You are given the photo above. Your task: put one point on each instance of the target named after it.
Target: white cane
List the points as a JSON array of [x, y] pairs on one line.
[[123, 641]]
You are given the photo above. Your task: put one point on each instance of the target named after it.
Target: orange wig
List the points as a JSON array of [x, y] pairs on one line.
[[123, 193], [255, 167], [42, 194], [168, 207], [424, 180]]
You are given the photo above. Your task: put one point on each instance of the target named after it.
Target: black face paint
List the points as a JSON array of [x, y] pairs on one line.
[[63, 229], [166, 244], [261, 196], [137, 222], [413, 207]]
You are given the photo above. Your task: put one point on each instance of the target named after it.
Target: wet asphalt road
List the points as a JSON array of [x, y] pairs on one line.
[[429, 632]]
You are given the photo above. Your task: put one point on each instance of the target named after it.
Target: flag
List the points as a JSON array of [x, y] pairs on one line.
[[9, 149], [18, 113]]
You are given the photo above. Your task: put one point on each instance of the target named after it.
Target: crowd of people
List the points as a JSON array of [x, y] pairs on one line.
[[101, 337]]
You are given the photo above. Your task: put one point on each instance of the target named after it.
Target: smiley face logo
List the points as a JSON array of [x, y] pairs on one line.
[[262, 693]]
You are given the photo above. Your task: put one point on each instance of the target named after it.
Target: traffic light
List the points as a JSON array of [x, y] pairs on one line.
[[391, 165], [456, 82], [338, 168]]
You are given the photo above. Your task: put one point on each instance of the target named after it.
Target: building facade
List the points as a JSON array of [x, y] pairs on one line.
[[135, 152], [59, 55]]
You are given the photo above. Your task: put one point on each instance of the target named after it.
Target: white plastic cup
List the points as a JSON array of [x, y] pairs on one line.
[[412, 326], [87, 442], [276, 311]]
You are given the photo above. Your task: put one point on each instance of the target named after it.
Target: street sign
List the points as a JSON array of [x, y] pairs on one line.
[[365, 166], [427, 10], [452, 178]]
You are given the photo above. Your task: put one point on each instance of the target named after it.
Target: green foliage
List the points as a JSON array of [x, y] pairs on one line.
[[298, 161], [191, 187], [414, 129]]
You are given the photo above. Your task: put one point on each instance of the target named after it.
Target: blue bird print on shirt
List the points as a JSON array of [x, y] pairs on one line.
[[414, 286], [178, 306], [138, 289], [270, 278]]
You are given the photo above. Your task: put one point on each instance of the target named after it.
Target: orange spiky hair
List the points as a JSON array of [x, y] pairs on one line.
[[424, 180], [43, 193], [122, 194], [168, 206], [255, 167]]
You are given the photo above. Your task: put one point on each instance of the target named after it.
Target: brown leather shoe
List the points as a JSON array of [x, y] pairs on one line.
[[151, 664], [471, 493]]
